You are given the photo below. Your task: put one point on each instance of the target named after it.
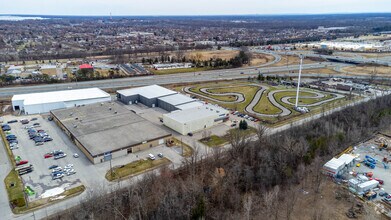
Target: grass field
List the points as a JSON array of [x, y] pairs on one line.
[[264, 106], [179, 70], [15, 192], [369, 70], [208, 54], [292, 60], [218, 141], [135, 168]]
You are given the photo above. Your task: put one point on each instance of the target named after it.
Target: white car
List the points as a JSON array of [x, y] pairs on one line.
[[75, 155], [151, 156], [56, 169], [70, 172], [57, 176], [68, 166]]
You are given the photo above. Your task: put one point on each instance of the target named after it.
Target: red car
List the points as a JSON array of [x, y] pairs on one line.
[[21, 162], [380, 181], [47, 156]]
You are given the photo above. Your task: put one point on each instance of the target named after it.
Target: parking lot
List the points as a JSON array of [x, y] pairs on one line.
[[40, 179]]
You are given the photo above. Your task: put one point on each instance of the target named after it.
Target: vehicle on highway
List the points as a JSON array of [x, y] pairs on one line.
[[151, 156], [52, 167]]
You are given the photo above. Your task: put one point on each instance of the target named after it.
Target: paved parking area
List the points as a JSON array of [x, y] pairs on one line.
[[40, 179], [87, 173]]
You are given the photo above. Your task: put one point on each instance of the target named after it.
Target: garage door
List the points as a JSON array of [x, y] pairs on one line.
[[161, 141]]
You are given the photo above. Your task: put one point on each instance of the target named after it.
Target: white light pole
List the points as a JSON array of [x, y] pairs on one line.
[[298, 83]]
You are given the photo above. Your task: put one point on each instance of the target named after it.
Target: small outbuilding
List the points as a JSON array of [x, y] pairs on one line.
[[334, 167]]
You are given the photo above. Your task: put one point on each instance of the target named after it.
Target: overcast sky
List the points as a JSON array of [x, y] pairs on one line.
[[190, 7]]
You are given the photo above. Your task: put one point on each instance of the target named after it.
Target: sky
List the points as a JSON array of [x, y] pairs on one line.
[[190, 7]]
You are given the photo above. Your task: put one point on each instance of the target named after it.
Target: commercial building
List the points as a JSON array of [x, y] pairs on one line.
[[37, 103], [157, 96], [108, 130], [146, 95], [195, 119]]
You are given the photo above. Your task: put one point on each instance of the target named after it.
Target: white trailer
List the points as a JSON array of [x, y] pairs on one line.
[[365, 186]]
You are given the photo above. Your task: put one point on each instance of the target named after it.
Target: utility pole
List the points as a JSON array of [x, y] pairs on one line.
[[298, 82]]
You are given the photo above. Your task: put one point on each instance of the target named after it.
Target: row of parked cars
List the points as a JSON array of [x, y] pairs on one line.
[[245, 116], [57, 154], [38, 136], [59, 172]]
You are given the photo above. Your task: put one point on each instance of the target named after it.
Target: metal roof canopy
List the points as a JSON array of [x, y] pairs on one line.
[[150, 92], [61, 96]]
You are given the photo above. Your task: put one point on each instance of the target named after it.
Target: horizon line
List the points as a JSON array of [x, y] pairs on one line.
[[200, 15]]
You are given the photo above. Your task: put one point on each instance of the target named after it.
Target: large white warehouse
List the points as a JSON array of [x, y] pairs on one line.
[[195, 119], [37, 103]]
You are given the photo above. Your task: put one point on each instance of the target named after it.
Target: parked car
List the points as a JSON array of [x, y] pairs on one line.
[[70, 172], [190, 134], [13, 141], [151, 156], [233, 125], [160, 155], [75, 155], [33, 119], [52, 167], [6, 128], [38, 143], [56, 169], [58, 176], [68, 166], [383, 194], [13, 147], [380, 181], [46, 139], [60, 156], [47, 156], [12, 121], [24, 121], [21, 162], [36, 124]]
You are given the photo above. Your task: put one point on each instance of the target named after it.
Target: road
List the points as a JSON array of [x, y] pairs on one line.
[[162, 79]]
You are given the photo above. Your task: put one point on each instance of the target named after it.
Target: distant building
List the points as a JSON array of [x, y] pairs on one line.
[[86, 67]]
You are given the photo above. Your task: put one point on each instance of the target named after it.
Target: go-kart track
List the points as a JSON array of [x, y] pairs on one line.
[[318, 98]]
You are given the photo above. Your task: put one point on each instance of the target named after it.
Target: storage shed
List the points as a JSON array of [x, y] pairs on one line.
[[333, 167], [348, 159]]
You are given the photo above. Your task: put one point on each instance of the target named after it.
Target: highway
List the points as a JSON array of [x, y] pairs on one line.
[[164, 79]]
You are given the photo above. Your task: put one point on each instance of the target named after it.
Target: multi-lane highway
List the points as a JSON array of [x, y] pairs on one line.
[[162, 79]]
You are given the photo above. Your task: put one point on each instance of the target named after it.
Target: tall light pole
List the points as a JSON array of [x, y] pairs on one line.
[[298, 82]]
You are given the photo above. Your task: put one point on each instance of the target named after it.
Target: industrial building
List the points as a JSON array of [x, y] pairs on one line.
[[157, 96], [37, 103], [108, 130], [195, 119]]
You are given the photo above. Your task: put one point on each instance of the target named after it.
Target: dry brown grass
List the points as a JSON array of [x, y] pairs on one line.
[[369, 70], [208, 54], [259, 59], [292, 60], [50, 72], [321, 71]]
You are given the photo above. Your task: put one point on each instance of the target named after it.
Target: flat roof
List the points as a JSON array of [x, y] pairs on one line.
[[61, 96], [101, 130], [335, 164], [197, 113], [153, 91], [189, 105], [177, 99]]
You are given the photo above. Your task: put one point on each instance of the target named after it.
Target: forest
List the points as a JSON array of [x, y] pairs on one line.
[[255, 178]]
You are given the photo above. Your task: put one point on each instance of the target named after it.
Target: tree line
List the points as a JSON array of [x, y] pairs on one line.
[[254, 179]]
